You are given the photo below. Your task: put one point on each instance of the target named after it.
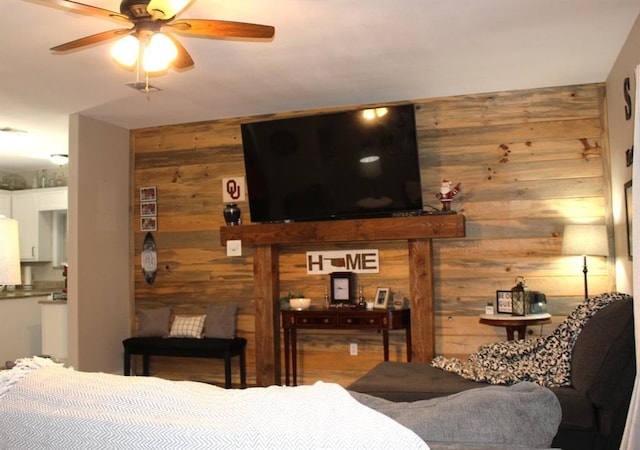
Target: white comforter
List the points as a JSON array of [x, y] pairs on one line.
[[46, 406]]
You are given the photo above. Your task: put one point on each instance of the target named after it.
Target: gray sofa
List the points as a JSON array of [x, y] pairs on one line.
[[594, 407]]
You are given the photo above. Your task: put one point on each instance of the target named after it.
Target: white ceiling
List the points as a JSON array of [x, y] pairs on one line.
[[325, 53]]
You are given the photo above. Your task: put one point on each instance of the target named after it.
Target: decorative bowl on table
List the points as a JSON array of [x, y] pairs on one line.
[[299, 304]]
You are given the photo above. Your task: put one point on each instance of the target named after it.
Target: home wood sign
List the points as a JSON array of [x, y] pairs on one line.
[[357, 261]]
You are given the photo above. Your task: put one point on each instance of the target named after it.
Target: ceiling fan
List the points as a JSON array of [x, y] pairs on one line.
[[154, 20]]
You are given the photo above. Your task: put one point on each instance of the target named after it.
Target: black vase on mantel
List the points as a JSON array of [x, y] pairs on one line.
[[232, 214]]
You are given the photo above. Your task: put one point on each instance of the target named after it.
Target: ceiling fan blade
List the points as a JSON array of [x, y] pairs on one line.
[[87, 9], [221, 28], [93, 39], [166, 9], [183, 60]]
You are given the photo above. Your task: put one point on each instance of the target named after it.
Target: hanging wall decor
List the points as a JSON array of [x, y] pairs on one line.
[[148, 209], [149, 259]]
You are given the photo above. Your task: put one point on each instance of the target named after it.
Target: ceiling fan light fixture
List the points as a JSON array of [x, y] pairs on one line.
[[126, 50], [147, 18], [59, 159], [159, 54], [166, 9]]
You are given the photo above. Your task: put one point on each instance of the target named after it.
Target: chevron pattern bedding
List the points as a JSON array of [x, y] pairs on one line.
[[46, 406]]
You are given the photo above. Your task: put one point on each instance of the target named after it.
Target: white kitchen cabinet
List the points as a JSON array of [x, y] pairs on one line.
[[52, 199], [21, 328], [5, 203], [34, 227], [41, 216], [54, 329]]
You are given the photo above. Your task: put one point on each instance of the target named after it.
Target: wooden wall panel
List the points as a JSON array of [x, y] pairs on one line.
[[529, 161]]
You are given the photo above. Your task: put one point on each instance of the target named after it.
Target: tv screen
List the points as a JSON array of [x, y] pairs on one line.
[[352, 164]]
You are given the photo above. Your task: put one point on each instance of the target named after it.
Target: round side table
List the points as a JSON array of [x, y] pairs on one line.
[[515, 323]]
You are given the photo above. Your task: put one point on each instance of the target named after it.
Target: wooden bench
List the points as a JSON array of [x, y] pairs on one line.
[[188, 347]]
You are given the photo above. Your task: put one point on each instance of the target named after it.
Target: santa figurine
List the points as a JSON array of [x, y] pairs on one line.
[[447, 193]]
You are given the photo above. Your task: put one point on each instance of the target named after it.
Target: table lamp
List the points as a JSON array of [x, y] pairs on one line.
[[9, 252], [585, 240]]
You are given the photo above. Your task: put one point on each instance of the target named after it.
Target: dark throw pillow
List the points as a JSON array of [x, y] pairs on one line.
[[221, 321], [154, 322]]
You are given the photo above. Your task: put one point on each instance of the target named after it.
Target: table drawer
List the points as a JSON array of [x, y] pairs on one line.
[[376, 321], [315, 321]]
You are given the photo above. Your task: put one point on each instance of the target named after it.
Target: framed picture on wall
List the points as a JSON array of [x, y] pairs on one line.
[[628, 201], [148, 209], [148, 224], [148, 194]]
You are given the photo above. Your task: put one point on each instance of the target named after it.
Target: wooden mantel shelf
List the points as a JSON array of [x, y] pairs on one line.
[[351, 230], [418, 231]]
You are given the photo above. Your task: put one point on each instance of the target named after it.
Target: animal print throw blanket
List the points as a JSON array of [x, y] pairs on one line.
[[545, 360]]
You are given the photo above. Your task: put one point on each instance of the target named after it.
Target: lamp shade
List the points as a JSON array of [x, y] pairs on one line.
[[125, 51], [583, 239], [9, 252], [159, 54]]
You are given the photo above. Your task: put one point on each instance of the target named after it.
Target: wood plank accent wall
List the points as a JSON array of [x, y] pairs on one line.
[[529, 161], [417, 230]]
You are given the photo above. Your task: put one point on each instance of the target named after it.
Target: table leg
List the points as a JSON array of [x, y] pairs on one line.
[[294, 356], [408, 340], [287, 351], [511, 330], [127, 363], [522, 331], [145, 365], [385, 343]]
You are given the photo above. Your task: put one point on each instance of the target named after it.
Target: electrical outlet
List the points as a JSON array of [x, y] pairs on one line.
[[234, 247], [353, 349]]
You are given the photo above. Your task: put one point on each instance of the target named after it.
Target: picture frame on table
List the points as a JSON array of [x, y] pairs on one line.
[[504, 304], [382, 298], [343, 287]]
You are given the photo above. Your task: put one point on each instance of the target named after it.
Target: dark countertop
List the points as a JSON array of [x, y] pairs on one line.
[[19, 293]]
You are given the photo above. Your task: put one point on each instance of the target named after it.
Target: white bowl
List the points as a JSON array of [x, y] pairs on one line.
[[299, 303]]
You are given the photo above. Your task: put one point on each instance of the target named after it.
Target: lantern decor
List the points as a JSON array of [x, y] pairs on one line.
[[520, 298]]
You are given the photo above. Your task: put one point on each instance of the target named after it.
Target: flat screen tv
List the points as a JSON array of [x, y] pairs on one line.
[[353, 164]]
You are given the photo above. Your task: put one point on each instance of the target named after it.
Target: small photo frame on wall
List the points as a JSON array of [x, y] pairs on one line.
[[504, 304], [148, 224], [628, 201], [148, 209], [148, 194], [382, 298]]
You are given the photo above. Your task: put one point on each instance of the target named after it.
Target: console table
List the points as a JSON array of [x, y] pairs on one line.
[[417, 231], [341, 319]]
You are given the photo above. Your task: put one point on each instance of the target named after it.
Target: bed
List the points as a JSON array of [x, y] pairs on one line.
[[45, 405]]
